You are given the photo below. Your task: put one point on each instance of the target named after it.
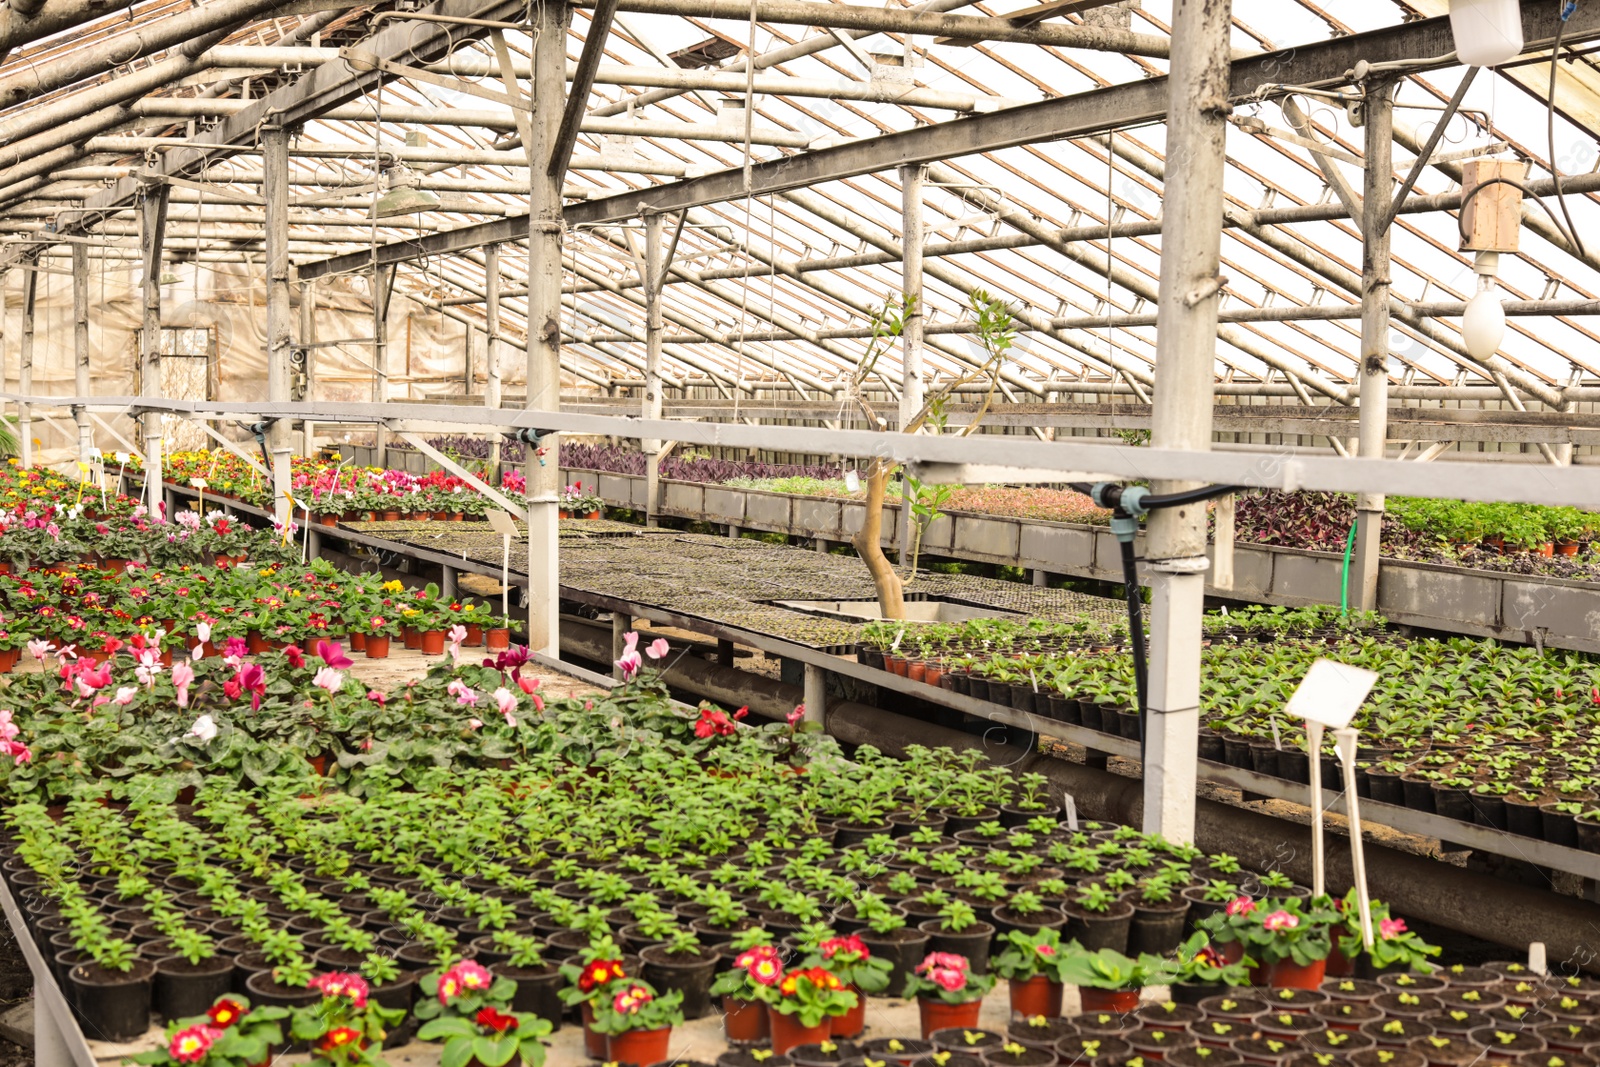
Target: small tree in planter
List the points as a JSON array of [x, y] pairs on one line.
[[947, 993], [1108, 981], [637, 1023], [1031, 963], [807, 1002]]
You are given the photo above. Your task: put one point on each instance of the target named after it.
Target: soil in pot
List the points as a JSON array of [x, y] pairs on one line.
[[1082, 1048], [112, 1005], [824, 1053], [1441, 1050], [1019, 1057], [1204, 1056], [1168, 1015], [970, 1040], [1457, 1021], [1346, 1014], [690, 973], [1569, 1037], [1158, 1044], [181, 988], [1371, 1057], [747, 1058]]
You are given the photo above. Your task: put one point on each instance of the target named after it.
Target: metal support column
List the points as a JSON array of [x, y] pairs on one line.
[[620, 625], [544, 321], [1191, 245], [308, 343], [816, 694], [152, 232], [30, 292], [1374, 417], [913, 236], [654, 329], [275, 191], [491, 356], [80, 351], [382, 290]]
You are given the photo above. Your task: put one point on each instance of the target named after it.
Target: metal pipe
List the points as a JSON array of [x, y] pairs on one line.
[[491, 357], [367, 111], [30, 293], [34, 20], [896, 20], [152, 233], [80, 352], [275, 162], [455, 157]]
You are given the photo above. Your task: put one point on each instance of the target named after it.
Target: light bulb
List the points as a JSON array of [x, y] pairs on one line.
[[1483, 327], [1487, 32]]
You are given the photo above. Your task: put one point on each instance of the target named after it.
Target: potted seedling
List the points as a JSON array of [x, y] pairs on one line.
[[1108, 981], [1031, 964], [807, 1002], [958, 931], [1097, 917], [637, 1022], [682, 965], [746, 990], [948, 992]]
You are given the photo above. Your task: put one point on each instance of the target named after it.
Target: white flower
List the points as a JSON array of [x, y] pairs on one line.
[[204, 730]]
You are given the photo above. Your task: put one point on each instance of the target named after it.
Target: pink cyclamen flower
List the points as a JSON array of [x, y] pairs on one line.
[[657, 649], [39, 648], [474, 724], [507, 702], [1391, 928], [796, 715], [457, 634], [182, 679], [125, 694], [1241, 906], [329, 679], [1280, 920], [628, 665], [377, 697], [463, 694], [332, 654]]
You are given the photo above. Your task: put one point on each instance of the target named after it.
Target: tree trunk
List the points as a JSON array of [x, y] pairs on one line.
[[868, 543]]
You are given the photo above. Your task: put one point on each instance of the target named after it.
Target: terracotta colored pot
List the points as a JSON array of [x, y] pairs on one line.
[[917, 672], [594, 1043], [358, 642], [592, 515], [5, 568], [563, 513], [257, 643], [391, 516], [116, 566], [896, 665], [433, 642], [319, 764], [1546, 548], [1337, 965], [937, 1015], [328, 520], [787, 1033], [1286, 974], [499, 639], [638, 1048], [1037, 996], [1109, 1000], [8, 660], [854, 1021], [377, 647], [441, 516], [1567, 548], [474, 637], [412, 638], [934, 675], [744, 1021]]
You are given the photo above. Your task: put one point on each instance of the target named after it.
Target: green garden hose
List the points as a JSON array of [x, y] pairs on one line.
[[1344, 582]]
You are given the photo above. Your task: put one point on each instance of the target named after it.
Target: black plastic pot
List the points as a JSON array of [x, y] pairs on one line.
[[1452, 802], [973, 942], [111, 1005], [1489, 810], [1418, 793], [1384, 787], [903, 948], [690, 975], [1560, 828], [1005, 921], [264, 991], [1098, 930], [1523, 817], [400, 993], [538, 990], [182, 988], [1157, 929]]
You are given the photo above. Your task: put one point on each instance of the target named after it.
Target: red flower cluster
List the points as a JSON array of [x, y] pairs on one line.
[[817, 976], [852, 948], [714, 722], [339, 1036], [496, 1020], [599, 973]]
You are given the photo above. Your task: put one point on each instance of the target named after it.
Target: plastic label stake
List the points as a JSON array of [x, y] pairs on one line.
[[506, 527], [1328, 697]]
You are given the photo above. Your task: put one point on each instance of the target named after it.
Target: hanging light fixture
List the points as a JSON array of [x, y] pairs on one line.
[[1483, 327], [402, 197], [1487, 32]]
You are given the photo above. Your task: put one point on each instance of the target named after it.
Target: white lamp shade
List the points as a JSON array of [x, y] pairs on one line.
[[1487, 32], [1484, 325]]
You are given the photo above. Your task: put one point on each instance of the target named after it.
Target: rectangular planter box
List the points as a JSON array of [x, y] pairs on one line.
[[724, 505], [1418, 594], [1060, 548], [990, 539], [769, 511], [683, 498], [819, 518], [619, 489]]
